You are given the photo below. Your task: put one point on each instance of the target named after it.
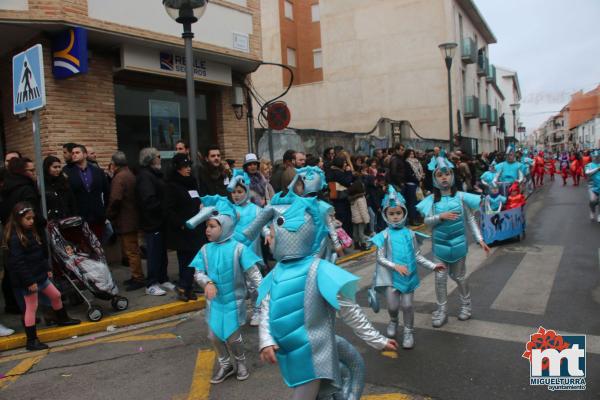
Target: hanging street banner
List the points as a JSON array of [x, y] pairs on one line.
[[29, 91]]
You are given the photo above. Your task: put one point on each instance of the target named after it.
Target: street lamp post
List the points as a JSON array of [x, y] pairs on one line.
[[448, 50], [186, 12]]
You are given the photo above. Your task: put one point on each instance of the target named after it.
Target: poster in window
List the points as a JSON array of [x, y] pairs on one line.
[[165, 126]]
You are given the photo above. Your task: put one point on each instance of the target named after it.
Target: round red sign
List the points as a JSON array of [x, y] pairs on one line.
[[278, 115]]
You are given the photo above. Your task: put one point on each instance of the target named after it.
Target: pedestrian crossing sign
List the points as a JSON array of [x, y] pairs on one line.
[[29, 92]]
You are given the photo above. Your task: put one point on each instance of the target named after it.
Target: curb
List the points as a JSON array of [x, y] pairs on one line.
[[130, 318], [120, 320]]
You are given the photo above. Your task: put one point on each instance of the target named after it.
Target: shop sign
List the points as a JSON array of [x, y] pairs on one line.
[[174, 64], [70, 53]]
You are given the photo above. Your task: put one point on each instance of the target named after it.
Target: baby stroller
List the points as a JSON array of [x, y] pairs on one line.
[[80, 259]]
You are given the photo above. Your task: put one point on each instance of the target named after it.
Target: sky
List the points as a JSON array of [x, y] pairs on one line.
[[554, 45]]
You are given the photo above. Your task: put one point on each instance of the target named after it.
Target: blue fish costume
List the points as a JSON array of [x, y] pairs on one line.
[[507, 171], [299, 299], [313, 183], [494, 201], [227, 264], [398, 245], [449, 237], [247, 212], [592, 172]]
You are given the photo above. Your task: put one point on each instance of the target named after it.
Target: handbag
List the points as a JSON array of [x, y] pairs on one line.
[[419, 194], [344, 238]]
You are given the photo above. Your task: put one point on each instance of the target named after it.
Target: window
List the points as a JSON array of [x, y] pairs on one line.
[[317, 58], [315, 12], [291, 57], [288, 9]]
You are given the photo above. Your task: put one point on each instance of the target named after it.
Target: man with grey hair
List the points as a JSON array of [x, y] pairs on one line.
[[123, 213], [150, 190]]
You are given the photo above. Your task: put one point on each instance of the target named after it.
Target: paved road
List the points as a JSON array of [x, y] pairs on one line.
[[551, 279]]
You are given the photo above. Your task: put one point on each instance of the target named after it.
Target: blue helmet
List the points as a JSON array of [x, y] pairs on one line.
[[313, 179], [240, 178], [393, 199], [440, 163]]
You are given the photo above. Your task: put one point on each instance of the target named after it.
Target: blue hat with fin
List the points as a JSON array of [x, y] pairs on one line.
[[240, 177], [393, 199], [218, 208], [440, 162]]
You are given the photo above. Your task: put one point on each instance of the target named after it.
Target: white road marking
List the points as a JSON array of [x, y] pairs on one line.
[[484, 329], [530, 285]]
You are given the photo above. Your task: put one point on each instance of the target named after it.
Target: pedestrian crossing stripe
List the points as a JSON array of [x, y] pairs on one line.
[[28, 87]]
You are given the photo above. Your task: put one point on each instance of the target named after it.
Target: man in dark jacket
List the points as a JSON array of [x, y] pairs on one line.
[[284, 173], [91, 190], [212, 178], [123, 213], [396, 172], [150, 194]]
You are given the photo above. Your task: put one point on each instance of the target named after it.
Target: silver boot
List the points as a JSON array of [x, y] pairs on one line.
[[408, 341], [237, 349], [224, 371], [439, 316], [392, 328], [464, 312]]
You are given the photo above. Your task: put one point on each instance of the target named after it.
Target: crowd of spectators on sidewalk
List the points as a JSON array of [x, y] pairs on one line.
[[146, 208]]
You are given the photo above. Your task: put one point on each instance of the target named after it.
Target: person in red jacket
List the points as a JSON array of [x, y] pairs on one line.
[[515, 198], [551, 166], [538, 169], [576, 168]]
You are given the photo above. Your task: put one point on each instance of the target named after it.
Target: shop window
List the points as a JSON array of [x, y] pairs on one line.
[[157, 118]]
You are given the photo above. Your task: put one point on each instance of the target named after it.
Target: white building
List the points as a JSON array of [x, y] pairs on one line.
[[380, 59], [508, 81]]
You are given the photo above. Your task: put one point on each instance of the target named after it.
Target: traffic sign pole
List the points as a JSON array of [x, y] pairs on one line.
[[39, 168]]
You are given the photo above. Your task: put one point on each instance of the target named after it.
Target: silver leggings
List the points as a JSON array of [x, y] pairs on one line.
[[395, 301], [593, 200], [233, 343], [457, 271], [308, 391]]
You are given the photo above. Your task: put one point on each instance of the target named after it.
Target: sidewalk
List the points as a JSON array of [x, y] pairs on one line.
[[142, 308]]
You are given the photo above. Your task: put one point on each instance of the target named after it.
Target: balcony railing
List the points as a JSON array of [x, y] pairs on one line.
[[484, 113], [482, 64], [491, 74], [469, 51], [471, 109]]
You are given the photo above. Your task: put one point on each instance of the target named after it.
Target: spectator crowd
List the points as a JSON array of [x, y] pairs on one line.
[[145, 208]]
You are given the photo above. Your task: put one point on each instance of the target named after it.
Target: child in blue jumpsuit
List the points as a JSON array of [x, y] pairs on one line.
[[223, 267], [396, 270], [448, 212]]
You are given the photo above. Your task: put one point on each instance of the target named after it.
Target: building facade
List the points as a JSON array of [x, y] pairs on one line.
[[133, 94], [508, 80], [357, 63]]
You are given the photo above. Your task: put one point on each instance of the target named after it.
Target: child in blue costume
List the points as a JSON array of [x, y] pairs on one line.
[[509, 170], [300, 297], [592, 172], [494, 201], [396, 270], [239, 187], [448, 213], [310, 182], [223, 267], [487, 178]]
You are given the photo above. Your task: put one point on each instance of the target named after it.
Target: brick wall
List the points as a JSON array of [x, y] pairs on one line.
[[79, 109], [232, 133]]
